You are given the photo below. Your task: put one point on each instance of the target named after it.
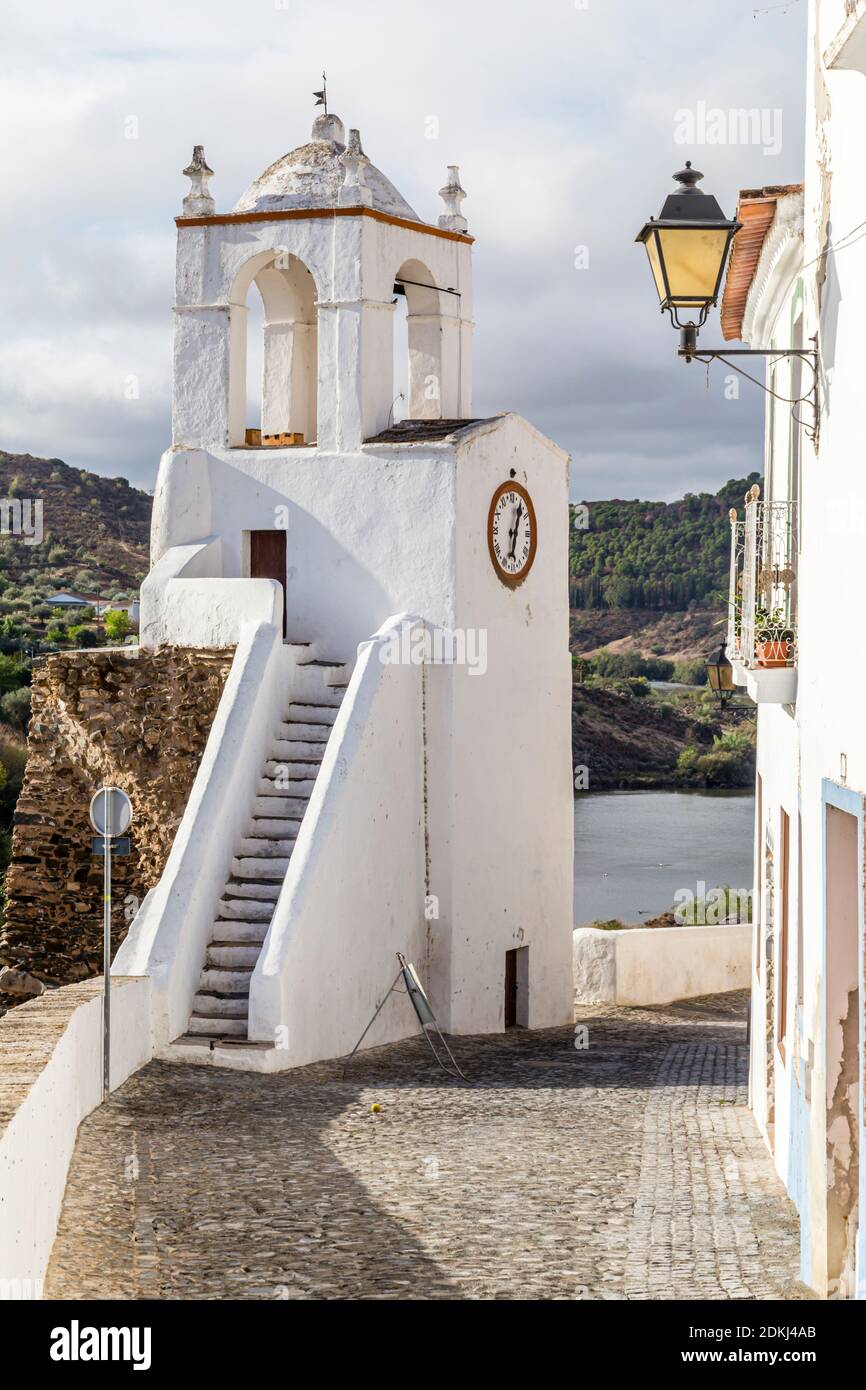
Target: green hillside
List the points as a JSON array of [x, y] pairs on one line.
[[94, 540], [665, 556]]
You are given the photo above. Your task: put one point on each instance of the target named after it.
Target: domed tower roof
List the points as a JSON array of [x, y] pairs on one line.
[[311, 177]]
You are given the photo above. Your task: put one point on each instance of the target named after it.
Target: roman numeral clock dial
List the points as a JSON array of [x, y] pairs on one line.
[[512, 534]]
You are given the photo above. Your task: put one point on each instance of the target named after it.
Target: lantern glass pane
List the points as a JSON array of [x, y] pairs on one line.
[[726, 677], [652, 251], [693, 259]]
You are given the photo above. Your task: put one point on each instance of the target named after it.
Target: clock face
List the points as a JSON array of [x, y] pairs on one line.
[[512, 535]]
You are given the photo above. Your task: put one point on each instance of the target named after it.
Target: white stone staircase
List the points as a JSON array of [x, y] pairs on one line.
[[221, 1005]]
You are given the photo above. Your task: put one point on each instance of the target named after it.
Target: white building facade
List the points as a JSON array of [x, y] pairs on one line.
[[389, 768], [797, 567]]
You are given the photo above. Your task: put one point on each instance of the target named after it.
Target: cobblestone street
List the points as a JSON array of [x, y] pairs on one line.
[[632, 1169]]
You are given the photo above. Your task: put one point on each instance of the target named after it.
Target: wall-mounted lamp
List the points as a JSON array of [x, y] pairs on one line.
[[687, 246], [720, 676]]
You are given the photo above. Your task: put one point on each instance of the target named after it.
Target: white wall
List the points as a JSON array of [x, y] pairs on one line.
[[657, 965], [367, 535], [178, 609], [773, 305], [832, 666], [824, 737], [510, 821], [37, 1144]]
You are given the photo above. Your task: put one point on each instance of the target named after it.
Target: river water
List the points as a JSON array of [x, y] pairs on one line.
[[634, 850]]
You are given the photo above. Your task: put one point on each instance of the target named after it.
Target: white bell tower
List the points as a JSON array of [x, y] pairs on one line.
[[390, 766], [327, 239]]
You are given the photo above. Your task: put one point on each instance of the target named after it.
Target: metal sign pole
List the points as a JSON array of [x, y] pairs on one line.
[[111, 816], [106, 956]]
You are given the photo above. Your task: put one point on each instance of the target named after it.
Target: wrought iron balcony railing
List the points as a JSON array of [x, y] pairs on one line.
[[762, 601]]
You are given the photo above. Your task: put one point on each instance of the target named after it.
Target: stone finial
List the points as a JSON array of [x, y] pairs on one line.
[[329, 128], [754, 493], [354, 192], [452, 220], [732, 515], [198, 201]]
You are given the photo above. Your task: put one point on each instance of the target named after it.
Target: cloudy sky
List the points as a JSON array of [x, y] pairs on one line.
[[567, 118]]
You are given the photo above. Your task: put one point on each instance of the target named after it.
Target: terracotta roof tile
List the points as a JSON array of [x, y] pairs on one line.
[[756, 210]]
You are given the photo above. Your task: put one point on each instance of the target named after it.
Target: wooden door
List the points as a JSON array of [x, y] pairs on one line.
[[268, 560], [510, 989]]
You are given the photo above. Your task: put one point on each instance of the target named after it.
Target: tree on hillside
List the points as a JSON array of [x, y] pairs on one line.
[[117, 624], [657, 555]]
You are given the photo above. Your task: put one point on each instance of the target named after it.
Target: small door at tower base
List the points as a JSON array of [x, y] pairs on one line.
[[268, 559]]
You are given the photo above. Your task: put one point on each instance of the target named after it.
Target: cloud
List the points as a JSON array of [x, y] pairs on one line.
[[561, 117]]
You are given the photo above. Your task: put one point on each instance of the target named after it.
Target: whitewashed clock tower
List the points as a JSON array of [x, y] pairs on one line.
[[390, 768]]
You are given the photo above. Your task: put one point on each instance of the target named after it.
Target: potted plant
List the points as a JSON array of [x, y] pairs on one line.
[[774, 639]]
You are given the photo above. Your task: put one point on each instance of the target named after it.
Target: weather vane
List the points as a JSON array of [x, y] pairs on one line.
[[322, 96]]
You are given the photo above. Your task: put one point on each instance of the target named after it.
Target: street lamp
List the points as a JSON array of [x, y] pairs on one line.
[[687, 245], [720, 674]]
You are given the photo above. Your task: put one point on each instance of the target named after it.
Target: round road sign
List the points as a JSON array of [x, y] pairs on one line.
[[110, 811]]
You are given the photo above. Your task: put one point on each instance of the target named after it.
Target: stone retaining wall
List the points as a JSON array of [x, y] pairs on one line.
[[139, 720]]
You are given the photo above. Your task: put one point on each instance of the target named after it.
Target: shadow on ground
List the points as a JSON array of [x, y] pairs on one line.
[[538, 1179]]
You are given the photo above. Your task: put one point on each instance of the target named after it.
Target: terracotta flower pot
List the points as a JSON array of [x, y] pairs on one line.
[[773, 654]]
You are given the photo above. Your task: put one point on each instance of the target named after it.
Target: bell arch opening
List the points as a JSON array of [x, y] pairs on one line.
[[418, 343], [274, 339]]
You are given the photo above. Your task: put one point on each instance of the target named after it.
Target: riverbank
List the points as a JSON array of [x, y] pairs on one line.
[[627, 735]]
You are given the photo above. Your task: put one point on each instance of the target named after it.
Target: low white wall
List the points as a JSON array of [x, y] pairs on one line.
[[60, 1083], [354, 893], [656, 965], [193, 560], [214, 612], [177, 607], [170, 933]]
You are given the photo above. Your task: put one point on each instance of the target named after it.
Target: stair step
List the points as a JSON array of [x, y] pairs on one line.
[[259, 847], [308, 713], [273, 828], [224, 980], [300, 789], [296, 750], [283, 807], [290, 770], [210, 1005], [274, 870], [232, 954], [249, 912], [240, 933], [205, 1026], [262, 892], [242, 929], [279, 770], [267, 809], [314, 735]]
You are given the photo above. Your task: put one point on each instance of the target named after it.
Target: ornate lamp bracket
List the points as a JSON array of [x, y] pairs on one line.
[[690, 352]]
